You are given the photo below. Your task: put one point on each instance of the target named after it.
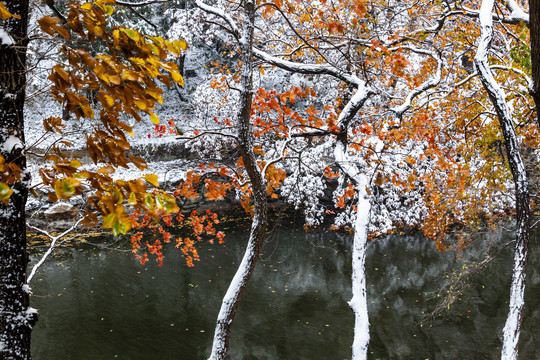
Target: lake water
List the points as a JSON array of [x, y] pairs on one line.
[[100, 303]]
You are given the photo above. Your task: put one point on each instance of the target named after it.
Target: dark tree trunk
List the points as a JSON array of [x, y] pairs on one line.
[[512, 328], [534, 21], [258, 186], [16, 317]]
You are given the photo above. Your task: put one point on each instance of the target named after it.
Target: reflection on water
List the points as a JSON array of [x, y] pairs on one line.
[[101, 304]]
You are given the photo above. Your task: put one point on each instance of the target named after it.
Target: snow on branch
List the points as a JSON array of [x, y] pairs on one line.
[[517, 71], [358, 302], [51, 247], [140, 4], [432, 81], [352, 107], [314, 69], [516, 16], [280, 156], [482, 63], [206, 133], [221, 14], [516, 12]]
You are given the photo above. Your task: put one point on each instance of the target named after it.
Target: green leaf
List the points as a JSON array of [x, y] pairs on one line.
[[118, 221], [132, 200], [66, 187], [149, 201], [132, 34], [5, 193], [167, 203]]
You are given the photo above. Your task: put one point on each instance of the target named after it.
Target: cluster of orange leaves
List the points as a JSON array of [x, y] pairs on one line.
[[198, 225], [273, 111], [160, 130]]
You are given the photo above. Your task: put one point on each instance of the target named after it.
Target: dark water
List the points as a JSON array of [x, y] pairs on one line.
[[98, 303]]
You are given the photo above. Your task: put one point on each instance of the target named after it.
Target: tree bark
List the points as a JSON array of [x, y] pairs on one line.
[[16, 317], [512, 327], [258, 186], [534, 21], [358, 302]]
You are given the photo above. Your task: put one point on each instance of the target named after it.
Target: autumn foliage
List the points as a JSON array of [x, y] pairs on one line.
[[122, 81]]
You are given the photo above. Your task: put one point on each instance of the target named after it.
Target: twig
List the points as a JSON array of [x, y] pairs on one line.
[[51, 247]]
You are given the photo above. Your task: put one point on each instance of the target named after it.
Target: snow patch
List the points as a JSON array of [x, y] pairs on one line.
[[5, 38], [12, 143], [27, 289]]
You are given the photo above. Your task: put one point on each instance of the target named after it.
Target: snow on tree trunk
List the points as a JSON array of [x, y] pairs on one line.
[[512, 327], [258, 227], [358, 303], [16, 317]]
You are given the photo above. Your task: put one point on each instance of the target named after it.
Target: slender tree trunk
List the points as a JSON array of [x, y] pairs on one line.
[[258, 227], [534, 21], [358, 302], [16, 317], [512, 328]]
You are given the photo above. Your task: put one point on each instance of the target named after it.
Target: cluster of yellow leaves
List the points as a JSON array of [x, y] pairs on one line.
[[120, 81], [10, 174]]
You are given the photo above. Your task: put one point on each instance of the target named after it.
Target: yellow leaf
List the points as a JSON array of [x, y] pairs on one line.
[[117, 195], [149, 201], [105, 170], [152, 179], [109, 10], [154, 118], [177, 78], [155, 94], [137, 61], [115, 79], [169, 66], [87, 6], [410, 160], [83, 174], [141, 104], [129, 75], [5, 14], [182, 44], [106, 99], [75, 163], [138, 162], [167, 203], [88, 111]]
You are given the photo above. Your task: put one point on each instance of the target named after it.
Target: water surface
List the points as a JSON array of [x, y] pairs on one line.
[[100, 303]]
